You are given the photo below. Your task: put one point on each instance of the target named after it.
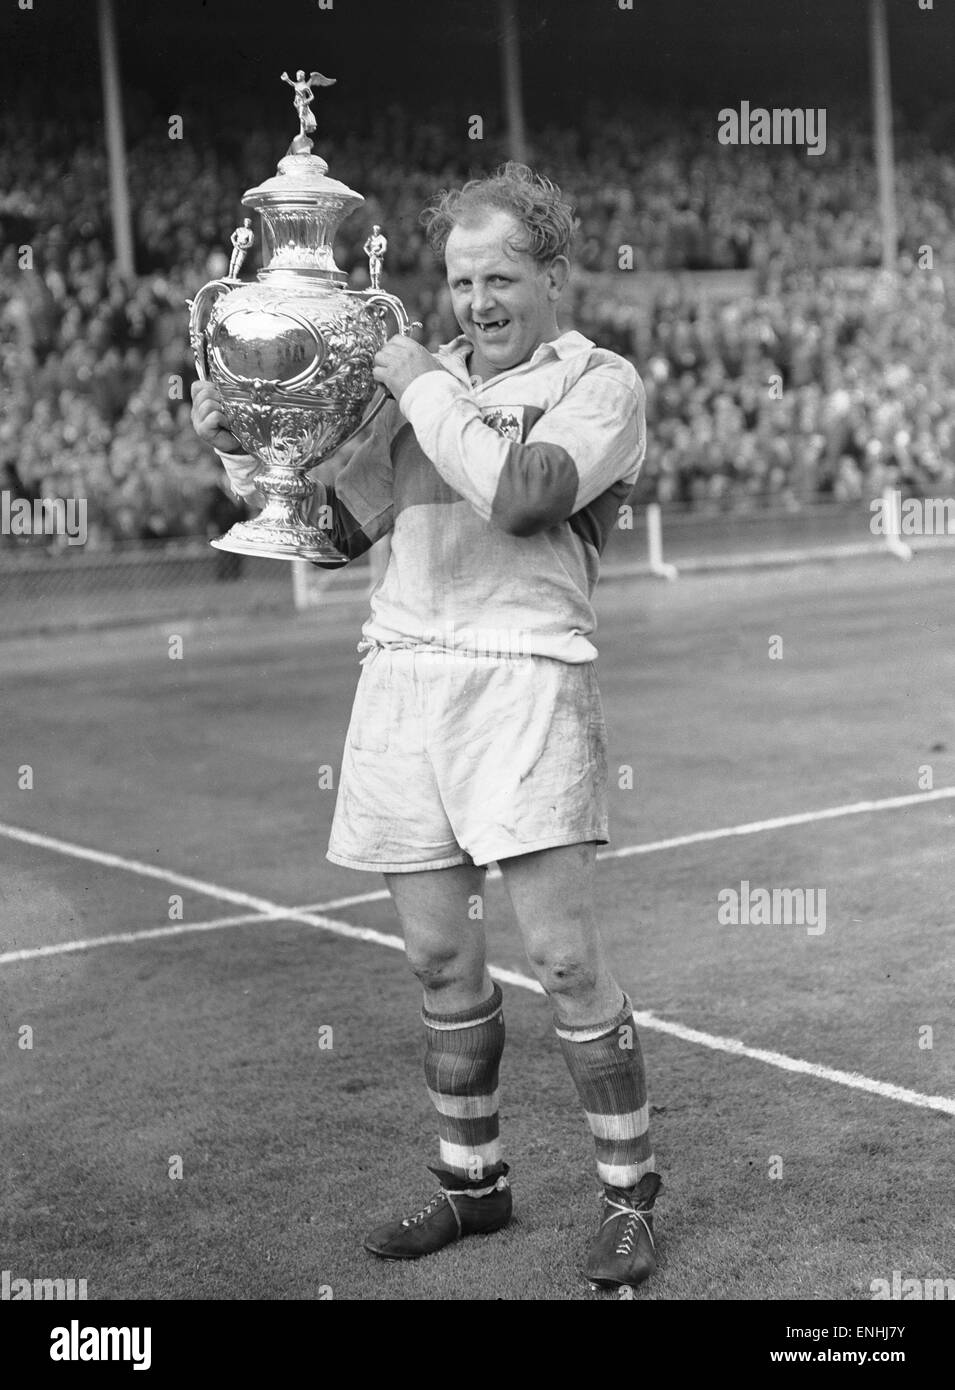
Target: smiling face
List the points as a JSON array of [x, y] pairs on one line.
[[503, 300]]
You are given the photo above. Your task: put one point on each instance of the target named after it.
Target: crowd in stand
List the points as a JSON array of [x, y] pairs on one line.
[[831, 386], [812, 377]]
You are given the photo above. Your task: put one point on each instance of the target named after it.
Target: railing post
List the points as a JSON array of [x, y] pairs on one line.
[[892, 513], [655, 545], [300, 569]]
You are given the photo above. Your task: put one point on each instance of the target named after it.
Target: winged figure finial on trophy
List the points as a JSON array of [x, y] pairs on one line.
[[304, 96]]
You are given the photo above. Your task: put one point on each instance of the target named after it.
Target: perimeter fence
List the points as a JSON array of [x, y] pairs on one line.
[[48, 587]]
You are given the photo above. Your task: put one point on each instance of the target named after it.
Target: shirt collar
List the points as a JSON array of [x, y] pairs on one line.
[[454, 355]]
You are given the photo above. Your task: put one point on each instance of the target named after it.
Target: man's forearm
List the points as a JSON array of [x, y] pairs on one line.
[[587, 441]]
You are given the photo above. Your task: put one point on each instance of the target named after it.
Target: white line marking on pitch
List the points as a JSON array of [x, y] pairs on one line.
[[269, 911], [854, 808], [261, 906], [698, 837], [377, 895], [736, 1048], [127, 938]]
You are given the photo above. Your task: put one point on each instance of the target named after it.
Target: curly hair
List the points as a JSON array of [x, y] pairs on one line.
[[548, 222]]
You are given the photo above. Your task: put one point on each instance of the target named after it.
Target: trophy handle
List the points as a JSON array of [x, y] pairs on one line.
[[378, 301], [199, 310]]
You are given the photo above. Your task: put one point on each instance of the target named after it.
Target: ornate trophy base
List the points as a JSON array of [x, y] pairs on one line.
[[279, 543]]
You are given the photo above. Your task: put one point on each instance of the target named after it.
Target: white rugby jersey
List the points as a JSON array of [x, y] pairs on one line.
[[499, 497]]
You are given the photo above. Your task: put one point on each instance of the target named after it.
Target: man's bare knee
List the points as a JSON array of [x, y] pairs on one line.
[[438, 967], [565, 974]]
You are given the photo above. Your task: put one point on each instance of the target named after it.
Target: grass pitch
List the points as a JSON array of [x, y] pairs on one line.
[[209, 1048]]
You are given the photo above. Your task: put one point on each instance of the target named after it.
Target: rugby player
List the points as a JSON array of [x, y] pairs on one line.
[[477, 734]]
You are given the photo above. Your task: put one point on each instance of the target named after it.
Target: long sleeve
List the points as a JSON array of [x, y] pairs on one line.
[[590, 439], [242, 470]]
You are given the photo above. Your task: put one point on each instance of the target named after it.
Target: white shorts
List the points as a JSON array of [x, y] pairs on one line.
[[457, 759]]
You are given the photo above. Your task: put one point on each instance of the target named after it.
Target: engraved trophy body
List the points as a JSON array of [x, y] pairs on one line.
[[292, 352]]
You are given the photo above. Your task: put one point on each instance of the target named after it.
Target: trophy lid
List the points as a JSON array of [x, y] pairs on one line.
[[301, 207], [302, 178]]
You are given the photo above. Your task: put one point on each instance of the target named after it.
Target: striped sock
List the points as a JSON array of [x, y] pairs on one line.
[[461, 1064], [606, 1064]]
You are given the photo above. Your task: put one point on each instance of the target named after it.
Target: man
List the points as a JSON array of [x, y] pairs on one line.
[[477, 733]]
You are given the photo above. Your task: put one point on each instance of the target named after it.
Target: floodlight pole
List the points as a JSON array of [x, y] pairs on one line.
[[115, 139], [510, 52], [882, 107]]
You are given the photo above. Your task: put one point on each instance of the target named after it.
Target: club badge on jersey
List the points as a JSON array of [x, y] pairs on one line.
[[507, 420]]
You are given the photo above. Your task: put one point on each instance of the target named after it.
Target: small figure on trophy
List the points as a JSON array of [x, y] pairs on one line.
[[375, 248], [243, 238], [303, 105]]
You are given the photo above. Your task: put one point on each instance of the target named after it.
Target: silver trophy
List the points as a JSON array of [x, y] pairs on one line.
[[292, 352]]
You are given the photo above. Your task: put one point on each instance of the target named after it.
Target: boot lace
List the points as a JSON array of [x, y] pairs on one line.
[[439, 1198], [630, 1230]]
